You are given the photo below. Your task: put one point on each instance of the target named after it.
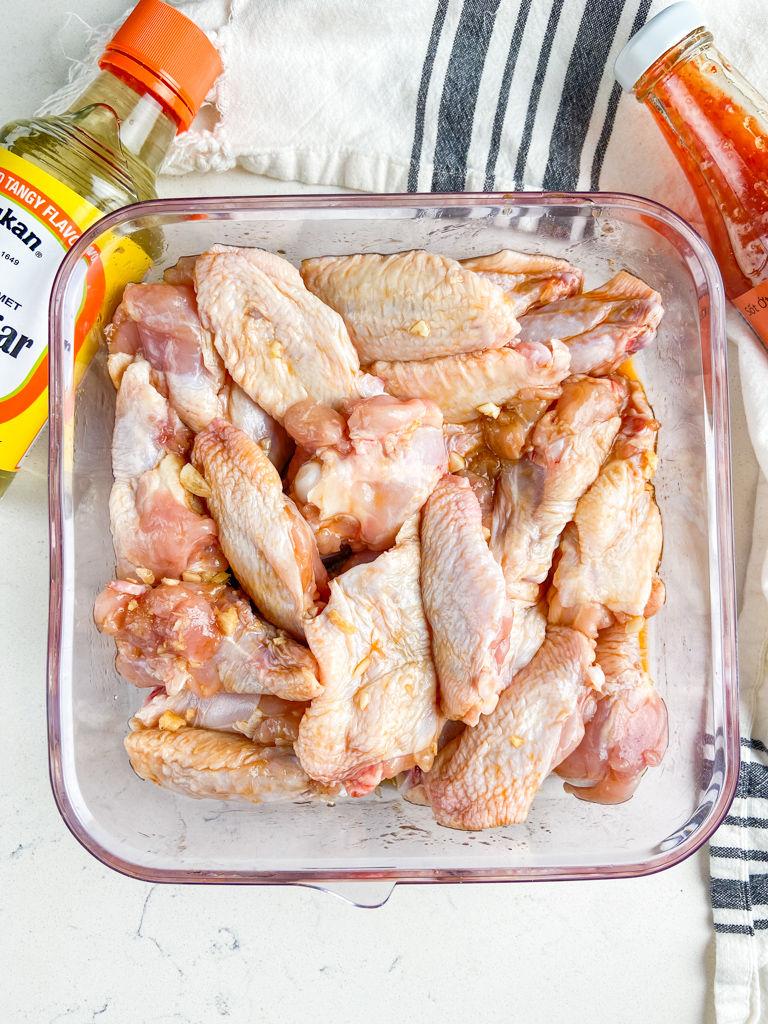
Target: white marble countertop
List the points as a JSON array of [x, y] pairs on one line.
[[81, 943]]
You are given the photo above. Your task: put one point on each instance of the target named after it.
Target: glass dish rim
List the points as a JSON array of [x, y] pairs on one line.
[[228, 205]]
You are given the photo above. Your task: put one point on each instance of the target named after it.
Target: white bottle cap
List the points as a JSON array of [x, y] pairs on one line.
[[666, 30]]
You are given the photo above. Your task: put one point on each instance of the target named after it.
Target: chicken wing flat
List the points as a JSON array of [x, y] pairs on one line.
[[465, 602], [601, 327], [465, 385], [161, 322], [610, 552], [202, 638], [268, 544], [413, 305], [537, 495], [267, 720], [378, 473], [489, 775], [530, 281], [628, 731], [377, 715], [202, 763], [278, 341]]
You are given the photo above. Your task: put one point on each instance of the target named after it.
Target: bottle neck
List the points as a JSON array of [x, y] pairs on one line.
[[146, 128], [688, 47], [717, 127]]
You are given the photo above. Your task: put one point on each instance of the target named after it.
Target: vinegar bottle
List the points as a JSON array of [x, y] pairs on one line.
[[717, 126], [60, 174]]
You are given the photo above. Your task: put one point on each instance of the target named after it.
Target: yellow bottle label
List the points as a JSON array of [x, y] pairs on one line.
[[40, 219]]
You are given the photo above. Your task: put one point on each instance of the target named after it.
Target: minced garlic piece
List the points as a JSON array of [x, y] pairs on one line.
[[516, 741], [486, 533], [171, 722], [227, 619], [422, 328], [171, 583], [146, 576], [363, 699], [341, 623], [490, 409], [133, 604], [361, 666], [191, 577], [456, 462], [279, 641], [194, 482]]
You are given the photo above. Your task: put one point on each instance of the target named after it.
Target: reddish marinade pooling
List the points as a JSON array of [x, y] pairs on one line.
[[717, 126]]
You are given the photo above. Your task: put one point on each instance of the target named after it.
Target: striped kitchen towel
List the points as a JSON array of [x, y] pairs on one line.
[[481, 95], [423, 95], [739, 849]]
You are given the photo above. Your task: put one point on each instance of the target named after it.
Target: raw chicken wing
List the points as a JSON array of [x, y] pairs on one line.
[[601, 327], [161, 322], [464, 600], [489, 775], [468, 386], [146, 427], [413, 305], [159, 529], [267, 720], [201, 637], [627, 733], [360, 489], [377, 715], [202, 763], [530, 281], [270, 547], [278, 341], [609, 553], [536, 496]]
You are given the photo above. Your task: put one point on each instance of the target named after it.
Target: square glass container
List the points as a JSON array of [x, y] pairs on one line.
[[152, 834]]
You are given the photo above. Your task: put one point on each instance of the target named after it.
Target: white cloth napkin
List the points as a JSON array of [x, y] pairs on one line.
[[452, 95]]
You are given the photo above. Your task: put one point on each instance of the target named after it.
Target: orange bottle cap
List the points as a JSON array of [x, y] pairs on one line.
[[168, 54]]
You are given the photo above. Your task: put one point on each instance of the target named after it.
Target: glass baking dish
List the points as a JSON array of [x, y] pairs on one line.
[[152, 834]]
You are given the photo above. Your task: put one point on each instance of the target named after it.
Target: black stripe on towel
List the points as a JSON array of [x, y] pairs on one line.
[[730, 894], [462, 84], [421, 102], [741, 929], [610, 117], [736, 853], [731, 819], [503, 100], [582, 80], [735, 929], [753, 780], [754, 745], [538, 84]]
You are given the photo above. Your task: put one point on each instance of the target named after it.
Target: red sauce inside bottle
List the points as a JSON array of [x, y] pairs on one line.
[[719, 133]]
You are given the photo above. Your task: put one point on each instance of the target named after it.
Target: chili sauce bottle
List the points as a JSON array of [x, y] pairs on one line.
[[717, 126], [60, 174]]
